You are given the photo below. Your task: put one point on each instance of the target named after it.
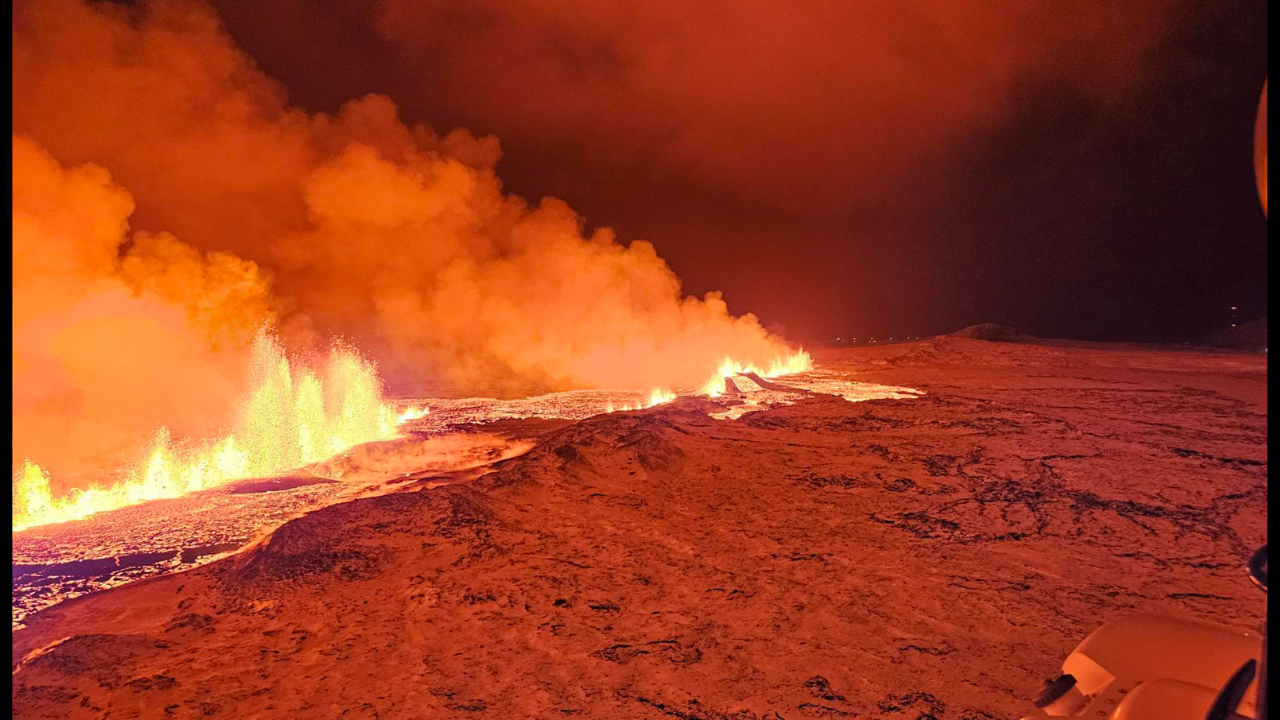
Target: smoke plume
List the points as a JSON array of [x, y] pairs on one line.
[[168, 201], [115, 335]]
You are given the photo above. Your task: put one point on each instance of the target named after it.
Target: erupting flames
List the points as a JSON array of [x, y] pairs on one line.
[[291, 417], [354, 223], [660, 396], [657, 397], [413, 413], [796, 362]]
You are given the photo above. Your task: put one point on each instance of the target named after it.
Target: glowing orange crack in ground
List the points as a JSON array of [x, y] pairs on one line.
[[797, 362], [291, 418]]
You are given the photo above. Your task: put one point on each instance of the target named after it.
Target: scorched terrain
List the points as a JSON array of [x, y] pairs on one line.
[[934, 556]]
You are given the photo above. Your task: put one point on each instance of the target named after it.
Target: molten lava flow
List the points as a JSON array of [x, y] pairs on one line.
[[290, 418], [792, 364], [660, 397], [657, 397], [411, 414], [797, 362]]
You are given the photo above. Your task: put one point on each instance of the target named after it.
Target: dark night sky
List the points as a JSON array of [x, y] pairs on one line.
[[1073, 169]]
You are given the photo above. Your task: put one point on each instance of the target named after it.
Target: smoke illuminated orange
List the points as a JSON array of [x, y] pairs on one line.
[[292, 416], [138, 228]]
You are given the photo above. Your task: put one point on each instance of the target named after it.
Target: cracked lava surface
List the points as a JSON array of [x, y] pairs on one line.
[[935, 557]]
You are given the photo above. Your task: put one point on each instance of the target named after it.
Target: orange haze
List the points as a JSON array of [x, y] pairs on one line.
[[134, 122]]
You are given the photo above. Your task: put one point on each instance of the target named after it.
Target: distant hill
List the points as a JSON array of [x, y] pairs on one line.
[[992, 333], [1245, 336]]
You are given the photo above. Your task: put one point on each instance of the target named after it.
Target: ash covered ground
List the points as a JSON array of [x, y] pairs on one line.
[[931, 553]]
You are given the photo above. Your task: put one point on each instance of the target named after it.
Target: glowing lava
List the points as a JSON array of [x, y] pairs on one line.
[[291, 417], [411, 414], [797, 362], [657, 397]]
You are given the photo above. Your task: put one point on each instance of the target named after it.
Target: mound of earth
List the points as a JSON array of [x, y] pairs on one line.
[[932, 557], [1250, 336], [992, 333]]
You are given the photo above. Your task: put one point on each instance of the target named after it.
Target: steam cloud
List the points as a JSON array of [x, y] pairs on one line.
[[253, 211], [857, 150], [115, 336]]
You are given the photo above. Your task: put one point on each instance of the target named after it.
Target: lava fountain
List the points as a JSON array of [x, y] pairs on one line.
[[797, 362], [291, 416]]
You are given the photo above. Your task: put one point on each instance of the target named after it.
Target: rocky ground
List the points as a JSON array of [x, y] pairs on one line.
[[925, 558]]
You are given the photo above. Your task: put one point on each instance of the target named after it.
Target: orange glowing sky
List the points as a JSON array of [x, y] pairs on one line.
[[185, 173]]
